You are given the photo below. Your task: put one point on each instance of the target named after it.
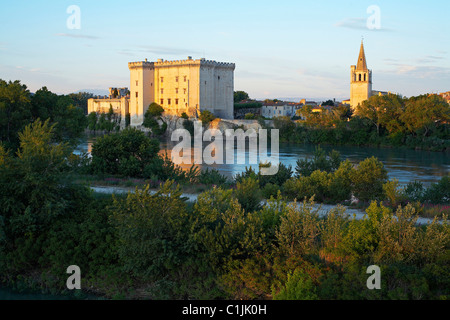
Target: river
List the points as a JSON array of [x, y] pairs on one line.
[[403, 164]]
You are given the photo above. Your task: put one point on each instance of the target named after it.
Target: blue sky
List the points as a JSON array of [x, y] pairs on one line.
[[282, 49]]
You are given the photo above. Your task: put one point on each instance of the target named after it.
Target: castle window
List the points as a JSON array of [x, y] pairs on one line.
[[176, 79], [184, 90], [168, 101], [176, 101], [162, 79], [137, 83], [364, 77], [162, 101], [137, 94], [360, 77], [219, 77], [185, 78], [176, 90], [162, 91]]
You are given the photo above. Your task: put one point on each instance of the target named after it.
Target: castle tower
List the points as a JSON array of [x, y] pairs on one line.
[[142, 92], [360, 81]]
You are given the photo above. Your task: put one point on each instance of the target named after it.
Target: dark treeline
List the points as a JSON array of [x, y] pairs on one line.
[[18, 108]]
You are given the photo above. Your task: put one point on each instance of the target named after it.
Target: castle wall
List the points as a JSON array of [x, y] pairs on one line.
[[217, 90], [119, 106]]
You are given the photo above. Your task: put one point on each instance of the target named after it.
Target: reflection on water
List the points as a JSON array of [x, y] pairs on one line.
[[402, 164]]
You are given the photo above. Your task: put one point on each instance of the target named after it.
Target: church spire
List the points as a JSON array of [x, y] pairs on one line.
[[362, 64]]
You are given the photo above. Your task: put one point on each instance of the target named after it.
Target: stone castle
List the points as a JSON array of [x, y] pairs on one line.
[[182, 86]]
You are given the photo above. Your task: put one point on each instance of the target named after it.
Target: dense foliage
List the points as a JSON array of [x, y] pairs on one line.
[[227, 245], [154, 121], [243, 239], [18, 108], [417, 122]]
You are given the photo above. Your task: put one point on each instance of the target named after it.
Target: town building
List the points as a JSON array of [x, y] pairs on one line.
[[271, 110]]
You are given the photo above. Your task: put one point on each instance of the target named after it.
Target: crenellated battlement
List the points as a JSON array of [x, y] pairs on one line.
[[141, 64], [175, 63]]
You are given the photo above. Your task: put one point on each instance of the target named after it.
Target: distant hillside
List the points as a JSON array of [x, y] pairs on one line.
[[95, 92]]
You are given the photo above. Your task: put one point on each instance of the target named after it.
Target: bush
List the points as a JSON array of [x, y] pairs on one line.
[[206, 117], [212, 177], [150, 231], [438, 193], [320, 161], [340, 188], [299, 286], [393, 193], [270, 190], [112, 153], [155, 110], [368, 179], [414, 191], [248, 194], [284, 173], [151, 118]]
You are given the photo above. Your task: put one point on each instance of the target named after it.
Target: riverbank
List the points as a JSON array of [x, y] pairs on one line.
[[322, 209]]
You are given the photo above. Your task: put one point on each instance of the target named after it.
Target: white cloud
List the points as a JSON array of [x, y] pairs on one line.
[[78, 36]]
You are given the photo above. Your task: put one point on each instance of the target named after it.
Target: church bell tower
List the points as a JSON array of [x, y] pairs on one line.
[[360, 81]]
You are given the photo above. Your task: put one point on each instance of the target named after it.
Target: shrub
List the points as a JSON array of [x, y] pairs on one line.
[[299, 286], [340, 188], [212, 177], [368, 179], [284, 173], [111, 153], [155, 110], [320, 161], [206, 117], [270, 190], [150, 231], [393, 193], [438, 193], [414, 191], [248, 194]]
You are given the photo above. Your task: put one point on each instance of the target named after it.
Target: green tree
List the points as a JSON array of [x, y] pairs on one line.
[[151, 231], [155, 110], [368, 179], [320, 161], [151, 118], [299, 286], [206, 117], [15, 111], [240, 96], [32, 192], [328, 103], [423, 113], [248, 194], [80, 100], [92, 121], [126, 152]]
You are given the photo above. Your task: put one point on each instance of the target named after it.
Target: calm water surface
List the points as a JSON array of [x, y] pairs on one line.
[[402, 164]]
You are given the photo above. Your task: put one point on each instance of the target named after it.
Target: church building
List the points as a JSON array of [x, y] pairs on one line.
[[360, 80]]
